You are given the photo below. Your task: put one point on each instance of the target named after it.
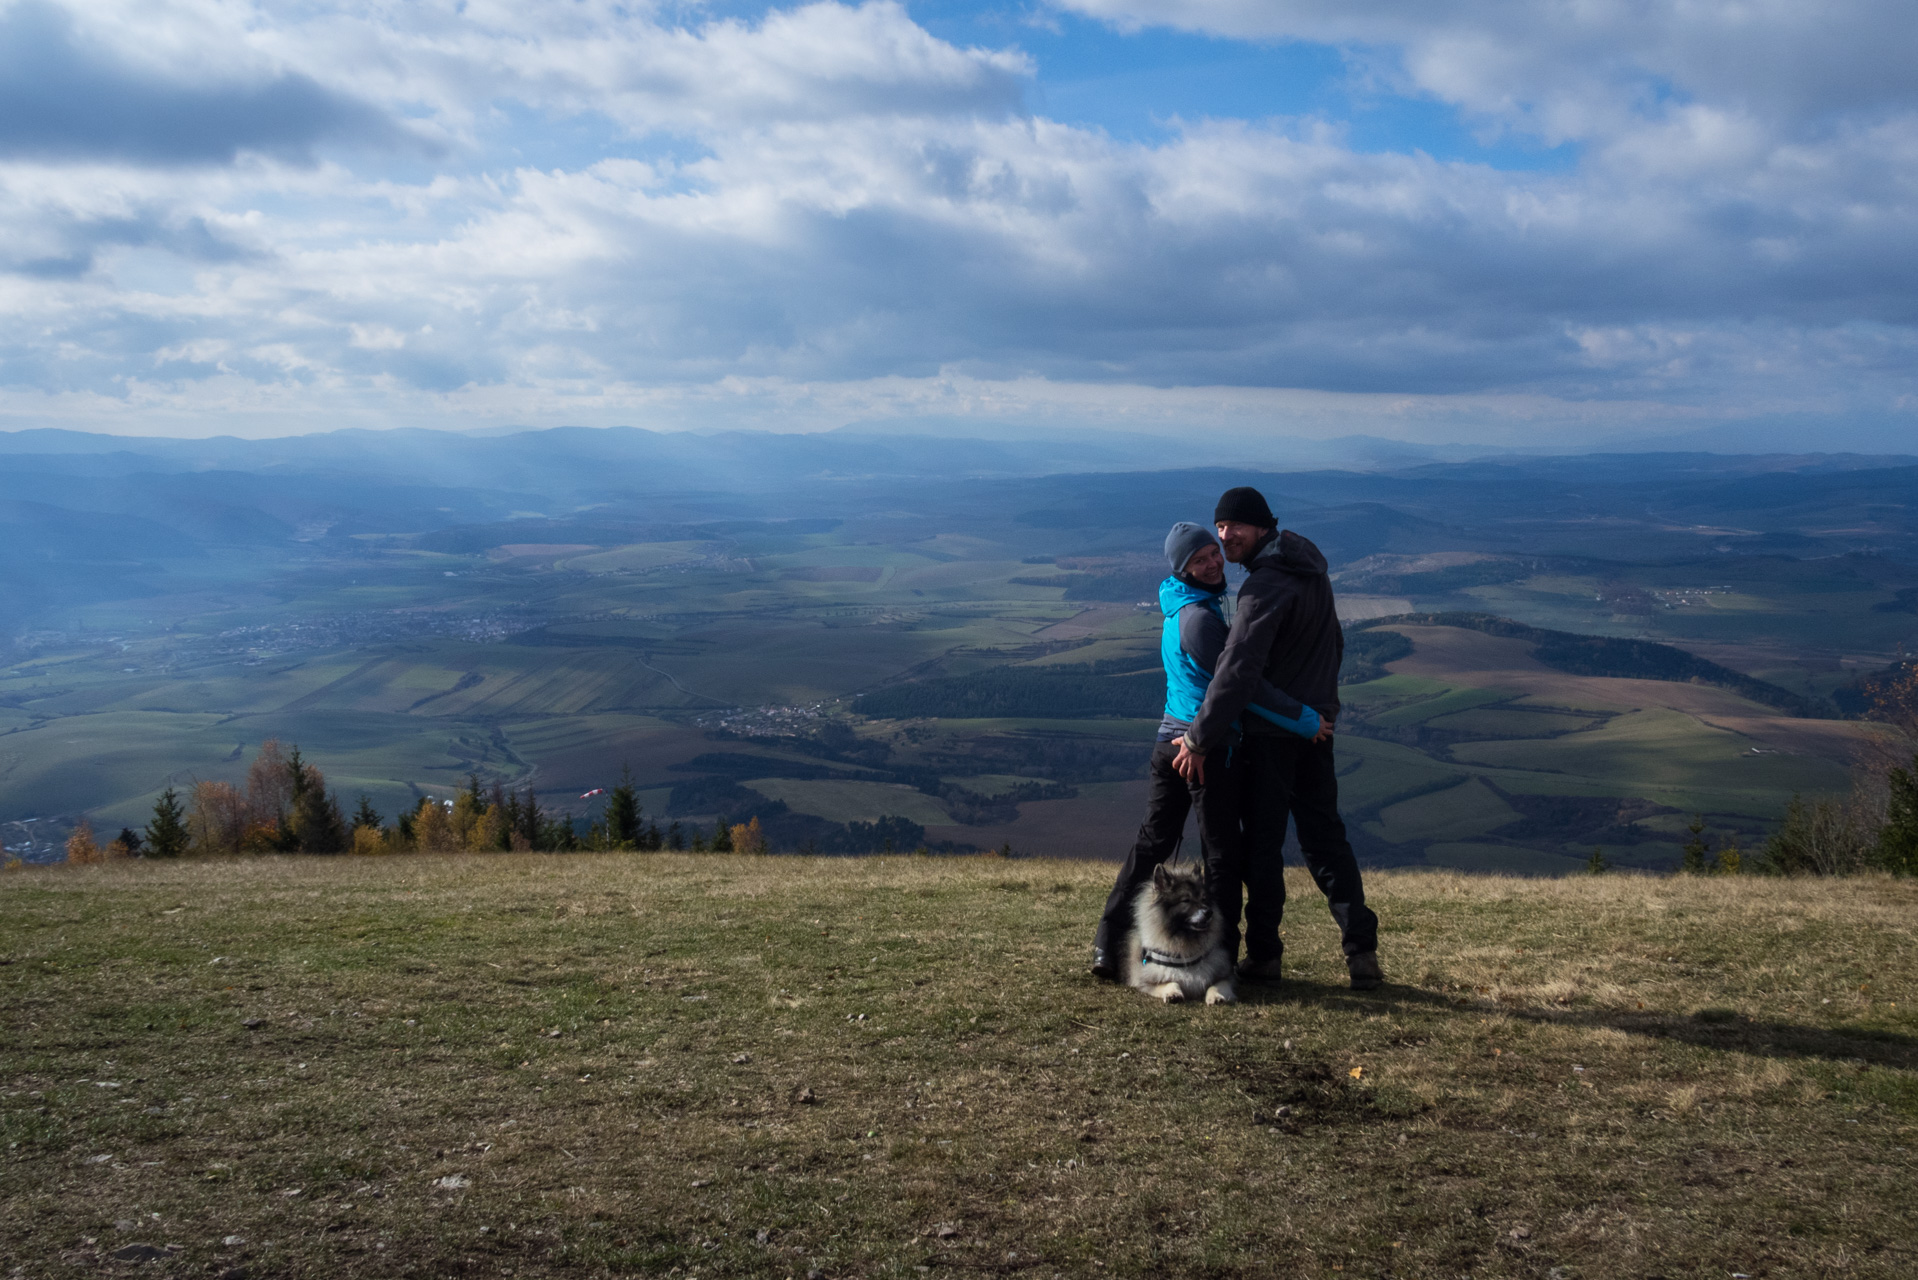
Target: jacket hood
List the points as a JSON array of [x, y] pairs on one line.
[[1176, 593], [1291, 553]]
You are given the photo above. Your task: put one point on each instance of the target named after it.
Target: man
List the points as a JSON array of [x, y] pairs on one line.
[[1190, 642], [1284, 635]]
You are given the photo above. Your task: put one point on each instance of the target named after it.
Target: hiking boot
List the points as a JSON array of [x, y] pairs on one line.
[[1104, 967], [1267, 970], [1365, 971]]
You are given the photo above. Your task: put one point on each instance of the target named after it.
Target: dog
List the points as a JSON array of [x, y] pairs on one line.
[[1176, 950]]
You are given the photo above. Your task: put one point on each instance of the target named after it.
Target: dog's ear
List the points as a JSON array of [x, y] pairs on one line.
[[1160, 878]]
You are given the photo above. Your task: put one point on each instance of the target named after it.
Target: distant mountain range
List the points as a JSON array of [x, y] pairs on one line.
[[86, 516]]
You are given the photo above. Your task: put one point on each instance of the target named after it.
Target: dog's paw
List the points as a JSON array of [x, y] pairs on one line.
[[1222, 994], [1169, 992]]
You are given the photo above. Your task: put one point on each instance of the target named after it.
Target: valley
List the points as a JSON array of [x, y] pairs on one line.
[[974, 654]]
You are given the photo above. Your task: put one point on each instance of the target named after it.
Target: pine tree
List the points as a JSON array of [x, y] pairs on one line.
[[299, 788], [722, 837], [318, 824], [1897, 850], [296, 776], [167, 835], [623, 813], [529, 824], [133, 842], [1693, 862], [654, 842], [1597, 865], [557, 835], [366, 815], [675, 837]]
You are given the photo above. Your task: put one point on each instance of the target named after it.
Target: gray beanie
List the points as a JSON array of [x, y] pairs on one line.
[[1185, 541]]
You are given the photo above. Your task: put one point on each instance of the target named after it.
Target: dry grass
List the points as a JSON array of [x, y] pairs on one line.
[[644, 1064]]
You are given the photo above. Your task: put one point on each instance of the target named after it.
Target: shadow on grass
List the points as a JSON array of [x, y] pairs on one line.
[[1708, 1028]]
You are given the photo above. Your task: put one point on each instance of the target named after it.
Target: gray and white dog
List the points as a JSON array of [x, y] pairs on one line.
[[1177, 947]]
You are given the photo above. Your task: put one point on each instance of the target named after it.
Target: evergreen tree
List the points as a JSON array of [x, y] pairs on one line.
[[1731, 859], [557, 835], [366, 815], [1597, 866], [166, 835], [722, 838], [317, 824], [286, 838], [699, 841], [473, 793], [1693, 862], [1897, 850], [654, 842], [675, 837], [131, 839], [405, 823], [623, 813], [529, 822]]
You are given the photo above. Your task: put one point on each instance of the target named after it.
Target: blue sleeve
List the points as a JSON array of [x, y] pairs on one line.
[[1202, 635], [1305, 724]]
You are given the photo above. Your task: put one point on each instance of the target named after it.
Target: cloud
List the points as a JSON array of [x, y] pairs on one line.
[[832, 197], [1581, 69], [63, 97]]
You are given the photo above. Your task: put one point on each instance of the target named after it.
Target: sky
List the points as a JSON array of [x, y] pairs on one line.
[[1524, 223]]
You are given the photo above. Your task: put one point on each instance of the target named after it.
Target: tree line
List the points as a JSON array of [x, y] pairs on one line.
[[285, 806]]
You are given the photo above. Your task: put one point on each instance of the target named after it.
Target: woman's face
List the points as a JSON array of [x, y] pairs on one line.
[[1207, 564]]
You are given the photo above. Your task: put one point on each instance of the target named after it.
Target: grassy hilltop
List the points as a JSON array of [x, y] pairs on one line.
[[645, 1064]]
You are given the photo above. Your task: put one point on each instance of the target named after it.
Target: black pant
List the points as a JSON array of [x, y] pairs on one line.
[[1289, 776], [1167, 805]]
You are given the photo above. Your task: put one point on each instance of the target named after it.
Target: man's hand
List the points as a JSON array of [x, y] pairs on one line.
[[1325, 731], [1191, 767]]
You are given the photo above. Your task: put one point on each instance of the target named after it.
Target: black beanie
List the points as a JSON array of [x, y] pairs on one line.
[[1245, 505]]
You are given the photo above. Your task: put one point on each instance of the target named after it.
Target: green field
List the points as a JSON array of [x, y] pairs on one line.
[[1662, 752], [1469, 809], [841, 801], [558, 663], [616, 1065]]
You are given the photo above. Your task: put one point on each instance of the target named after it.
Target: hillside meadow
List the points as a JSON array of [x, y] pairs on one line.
[[604, 1065]]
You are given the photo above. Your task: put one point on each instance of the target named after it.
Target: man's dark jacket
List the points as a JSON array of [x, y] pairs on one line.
[[1284, 632]]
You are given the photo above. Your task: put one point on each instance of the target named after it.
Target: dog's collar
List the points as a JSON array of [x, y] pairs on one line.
[[1149, 956]]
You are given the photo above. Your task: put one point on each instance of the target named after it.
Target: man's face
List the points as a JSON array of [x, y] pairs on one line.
[[1206, 565], [1240, 539]]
